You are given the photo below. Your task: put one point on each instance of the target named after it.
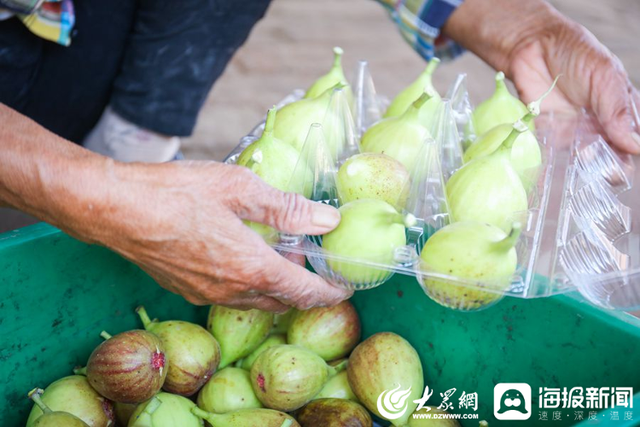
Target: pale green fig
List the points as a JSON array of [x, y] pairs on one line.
[[281, 322], [271, 341], [193, 353], [399, 137], [238, 332], [386, 375], [228, 390], [275, 162], [478, 253], [50, 418], [421, 85], [369, 231], [330, 332], [500, 108], [373, 176], [331, 79], [286, 377], [295, 119], [123, 412], [488, 189], [338, 388], [431, 422], [165, 410], [75, 396], [334, 413], [248, 418]]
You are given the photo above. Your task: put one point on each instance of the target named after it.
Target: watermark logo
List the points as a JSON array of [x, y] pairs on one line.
[[512, 401], [392, 404]]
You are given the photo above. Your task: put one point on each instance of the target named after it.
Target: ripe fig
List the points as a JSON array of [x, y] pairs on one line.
[[385, 372], [337, 387], [50, 418], [130, 367], [400, 137], [480, 253], [373, 176], [332, 78], [271, 341], [74, 395], [369, 232], [192, 352], [330, 332], [431, 422], [165, 410], [286, 377], [238, 332], [248, 418], [228, 390], [334, 413], [123, 412]]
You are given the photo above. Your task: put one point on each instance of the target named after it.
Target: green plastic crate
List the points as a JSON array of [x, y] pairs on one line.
[[57, 294]]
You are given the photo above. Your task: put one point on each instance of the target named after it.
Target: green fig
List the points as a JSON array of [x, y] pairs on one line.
[[165, 410], [123, 412], [74, 395], [481, 254], [275, 162], [501, 107], [281, 322], [399, 137], [332, 78], [334, 413], [248, 418], [369, 231], [130, 367], [192, 352], [417, 421], [373, 176], [421, 85], [238, 332], [271, 341], [337, 387], [330, 332], [295, 119], [488, 189], [286, 377], [50, 418], [228, 390], [385, 373]]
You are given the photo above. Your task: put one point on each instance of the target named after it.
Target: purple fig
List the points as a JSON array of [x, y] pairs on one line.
[[385, 373], [330, 332], [74, 395], [286, 377], [334, 413], [247, 418], [165, 410], [228, 390], [51, 418], [238, 332], [192, 352], [416, 421], [129, 367], [123, 412]]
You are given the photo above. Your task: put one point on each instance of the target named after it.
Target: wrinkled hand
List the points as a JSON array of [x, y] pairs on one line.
[[181, 222], [592, 78]]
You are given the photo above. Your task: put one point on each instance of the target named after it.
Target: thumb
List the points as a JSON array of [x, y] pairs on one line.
[[288, 212]]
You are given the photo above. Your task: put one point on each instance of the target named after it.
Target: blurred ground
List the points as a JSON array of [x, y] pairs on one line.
[[292, 46]]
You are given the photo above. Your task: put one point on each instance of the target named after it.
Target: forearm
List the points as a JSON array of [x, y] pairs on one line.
[[495, 29]]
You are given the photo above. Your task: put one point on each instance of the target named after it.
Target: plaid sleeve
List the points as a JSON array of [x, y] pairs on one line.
[[420, 22]]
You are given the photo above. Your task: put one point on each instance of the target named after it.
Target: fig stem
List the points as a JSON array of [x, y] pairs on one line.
[[146, 320], [518, 128], [500, 84], [207, 416], [106, 335], [418, 103], [36, 396], [271, 121], [80, 371], [337, 56], [407, 220], [510, 241], [341, 366], [534, 107], [153, 405], [431, 66], [287, 423]]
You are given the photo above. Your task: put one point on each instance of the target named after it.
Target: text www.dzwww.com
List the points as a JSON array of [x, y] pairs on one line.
[[446, 416]]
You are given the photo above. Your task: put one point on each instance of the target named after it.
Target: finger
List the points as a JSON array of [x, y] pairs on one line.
[[294, 285], [259, 302], [254, 200]]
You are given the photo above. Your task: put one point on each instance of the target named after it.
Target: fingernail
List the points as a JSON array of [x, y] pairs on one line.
[[325, 216], [636, 138]]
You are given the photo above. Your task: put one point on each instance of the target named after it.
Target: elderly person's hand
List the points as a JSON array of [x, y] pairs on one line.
[[181, 222], [532, 43]]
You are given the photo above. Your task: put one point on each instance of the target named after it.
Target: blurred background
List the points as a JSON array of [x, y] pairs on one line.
[[292, 46]]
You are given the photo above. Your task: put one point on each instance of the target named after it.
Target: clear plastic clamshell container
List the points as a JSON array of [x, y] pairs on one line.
[[580, 232]]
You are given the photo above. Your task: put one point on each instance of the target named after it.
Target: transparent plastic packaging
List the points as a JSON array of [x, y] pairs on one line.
[[581, 230]]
